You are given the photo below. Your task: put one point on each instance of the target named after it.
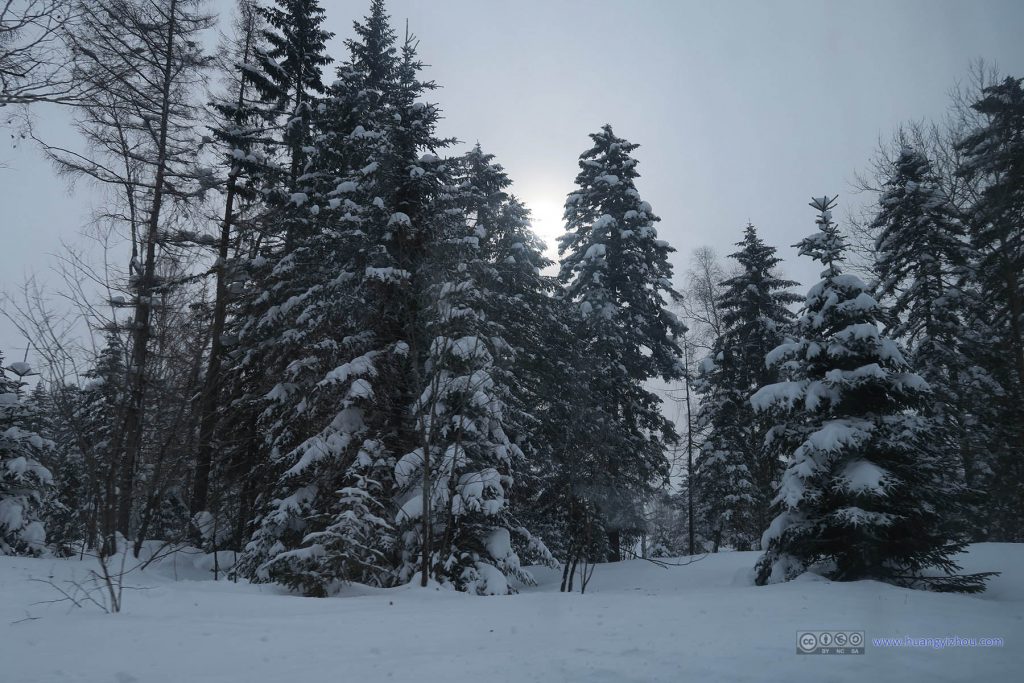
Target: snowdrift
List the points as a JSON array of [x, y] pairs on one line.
[[637, 622]]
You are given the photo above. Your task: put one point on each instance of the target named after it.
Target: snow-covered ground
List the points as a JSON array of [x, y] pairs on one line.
[[638, 622]]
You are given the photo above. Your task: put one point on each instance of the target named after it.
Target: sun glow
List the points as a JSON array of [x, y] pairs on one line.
[[546, 214]]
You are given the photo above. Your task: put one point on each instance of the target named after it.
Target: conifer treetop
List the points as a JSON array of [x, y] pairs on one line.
[[827, 245], [756, 286], [613, 263], [373, 51], [921, 249], [298, 44]]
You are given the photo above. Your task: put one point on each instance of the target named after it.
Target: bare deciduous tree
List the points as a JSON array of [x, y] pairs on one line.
[[699, 302], [937, 139], [144, 66], [36, 64]]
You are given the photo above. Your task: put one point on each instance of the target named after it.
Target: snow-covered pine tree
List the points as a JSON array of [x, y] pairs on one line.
[[454, 482], [617, 271], [373, 51], [309, 343], [460, 415], [995, 155], [861, 497], [286, 73], [994, 162], [284, 69], [248, 109], [24, 481], [473, 411], [519, 305], [60, 513], [388, 440], [538, 362], [736, 475], [922, 255]]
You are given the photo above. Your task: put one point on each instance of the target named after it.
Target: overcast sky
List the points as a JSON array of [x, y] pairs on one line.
[[744, 110]]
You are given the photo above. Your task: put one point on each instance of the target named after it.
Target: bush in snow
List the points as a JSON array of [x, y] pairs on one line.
[[23, 480]]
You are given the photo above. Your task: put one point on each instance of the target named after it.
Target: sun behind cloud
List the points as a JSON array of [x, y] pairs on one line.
[[546, 217]]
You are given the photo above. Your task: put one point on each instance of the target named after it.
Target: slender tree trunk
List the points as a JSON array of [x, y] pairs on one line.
[[615, 545], [141, 332], [689, 456], [566, 570], [425, 512], [108, 523], [449, 524], [91, 523], [572, 570], [244, 512], [426, 482], [570, 567], [211, 382], [297, 161]]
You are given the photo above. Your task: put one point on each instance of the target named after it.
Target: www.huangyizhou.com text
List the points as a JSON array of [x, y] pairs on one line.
[[938, 643]]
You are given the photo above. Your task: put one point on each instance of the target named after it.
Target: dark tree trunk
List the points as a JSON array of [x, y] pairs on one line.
[[614, 546], [565, 572], [572, 571], [211, 382]]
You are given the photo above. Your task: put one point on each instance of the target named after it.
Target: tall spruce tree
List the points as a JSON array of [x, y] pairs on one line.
[[517, 304], [312, 304], [389, 453], [289, 73], [994, 162], [861, 496], [922, 260], [615, 268], [454, 478], [539, 370], [737, 475]]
